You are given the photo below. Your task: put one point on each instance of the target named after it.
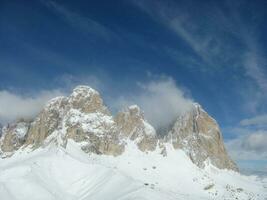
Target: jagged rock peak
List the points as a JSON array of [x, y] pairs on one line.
[[135, 109], [199, 135], [131, 124], [131, 120], [14, 136], [83, 91], [87, 100]]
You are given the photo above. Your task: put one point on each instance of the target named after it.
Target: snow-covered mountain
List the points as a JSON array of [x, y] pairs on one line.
[[75, 149]]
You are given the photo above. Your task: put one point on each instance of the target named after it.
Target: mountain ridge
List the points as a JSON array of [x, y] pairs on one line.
[[84, 118]]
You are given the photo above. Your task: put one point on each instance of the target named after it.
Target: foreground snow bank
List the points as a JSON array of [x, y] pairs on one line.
[[56, 173]]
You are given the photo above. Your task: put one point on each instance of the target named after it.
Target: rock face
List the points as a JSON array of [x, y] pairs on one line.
[[46, 122], [87, 100], [90, 122], [14, 136], [131, 124], [97, 132], [199, 136], [84, 118]]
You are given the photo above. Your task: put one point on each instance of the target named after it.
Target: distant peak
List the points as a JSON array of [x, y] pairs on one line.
[[84, 89], [87, 100], [134, 108], [135, 111]]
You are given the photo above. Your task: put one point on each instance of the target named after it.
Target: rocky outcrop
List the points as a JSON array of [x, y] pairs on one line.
[[47, 121], [89, 121], [200, 137], [131, 124], [14, 136], [84, 118], [97, 132], [87, 100]]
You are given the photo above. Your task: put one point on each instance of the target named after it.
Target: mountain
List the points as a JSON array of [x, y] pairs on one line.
[[75, 149]]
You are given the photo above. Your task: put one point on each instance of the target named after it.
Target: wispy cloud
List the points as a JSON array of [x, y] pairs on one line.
[[219, 38], [85, 24], [255, 66], [260, 120], [210, 45]]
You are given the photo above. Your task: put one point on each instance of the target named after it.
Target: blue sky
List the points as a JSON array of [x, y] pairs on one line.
[[211, 52]]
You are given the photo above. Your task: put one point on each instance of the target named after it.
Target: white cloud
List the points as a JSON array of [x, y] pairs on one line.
[[251, 146], [256, 142], [260, 120], [161, 100], [15, 106]]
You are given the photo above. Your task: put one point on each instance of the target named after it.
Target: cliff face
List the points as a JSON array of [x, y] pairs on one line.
[[46, 122], [200, 137], [131, 124], [84, 118], [14, 136]]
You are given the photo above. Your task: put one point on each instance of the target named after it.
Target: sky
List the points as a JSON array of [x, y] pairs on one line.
[[159, 54]]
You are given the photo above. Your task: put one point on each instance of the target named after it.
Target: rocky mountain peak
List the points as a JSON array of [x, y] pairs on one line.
[[14, 135], [135, 110], [131, 124], [87, 100], [199, 135]]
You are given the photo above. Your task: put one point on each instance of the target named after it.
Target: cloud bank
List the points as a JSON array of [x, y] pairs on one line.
[[14, 106], [247, 147], [256, 142]]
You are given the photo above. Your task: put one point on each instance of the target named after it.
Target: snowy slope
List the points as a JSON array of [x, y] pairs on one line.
[[57, 173]]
